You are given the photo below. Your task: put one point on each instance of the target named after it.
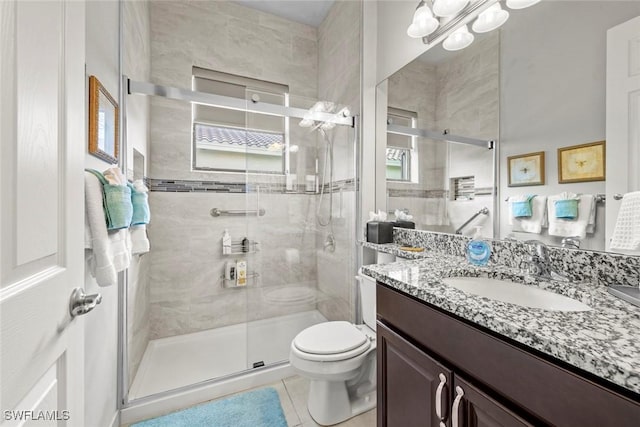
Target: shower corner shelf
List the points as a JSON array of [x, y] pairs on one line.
[[231, 283]]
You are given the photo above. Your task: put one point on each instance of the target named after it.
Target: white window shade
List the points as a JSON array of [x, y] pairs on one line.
[[224, 84], [400, 117]]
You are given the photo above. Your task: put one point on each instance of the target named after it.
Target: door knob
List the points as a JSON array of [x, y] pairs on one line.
[[82, 303]]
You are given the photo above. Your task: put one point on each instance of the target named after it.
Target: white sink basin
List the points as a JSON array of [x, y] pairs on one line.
[[515, 293]]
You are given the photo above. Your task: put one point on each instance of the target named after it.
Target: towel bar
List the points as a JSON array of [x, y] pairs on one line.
[[599, 198]]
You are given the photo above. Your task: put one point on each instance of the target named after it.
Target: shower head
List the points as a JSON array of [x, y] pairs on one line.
[[319, 107]]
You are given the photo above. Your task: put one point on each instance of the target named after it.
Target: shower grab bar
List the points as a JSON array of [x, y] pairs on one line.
[[483, 211], [215, 212]]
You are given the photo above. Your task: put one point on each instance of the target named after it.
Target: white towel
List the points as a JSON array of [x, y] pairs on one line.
[[139, 240], [626, 234], [538, 219], [577, 227], [100, 259]]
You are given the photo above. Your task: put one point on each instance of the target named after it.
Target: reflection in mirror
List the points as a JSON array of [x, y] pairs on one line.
[[552, 97], [441, 183], [540, 89]]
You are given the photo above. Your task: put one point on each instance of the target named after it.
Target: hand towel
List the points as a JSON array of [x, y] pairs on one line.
[[536, 221], [626, 234], [139, 240], [571, 227], [120, 249], [521, 206], [567, 208], [100, 259]]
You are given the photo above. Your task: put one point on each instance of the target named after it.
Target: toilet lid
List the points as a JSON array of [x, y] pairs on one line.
[[330, 338]]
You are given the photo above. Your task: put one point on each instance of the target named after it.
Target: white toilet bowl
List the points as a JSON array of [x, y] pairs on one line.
[[340, 360]]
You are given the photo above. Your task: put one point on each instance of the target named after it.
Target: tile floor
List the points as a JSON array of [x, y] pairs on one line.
[[293, 393]]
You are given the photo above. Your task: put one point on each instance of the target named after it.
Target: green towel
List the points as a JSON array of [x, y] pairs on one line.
[[141, 211], [567, 208], [116, 201]]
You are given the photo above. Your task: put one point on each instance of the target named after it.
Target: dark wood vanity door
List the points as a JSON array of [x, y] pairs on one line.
[[476, 409], [408, 381]]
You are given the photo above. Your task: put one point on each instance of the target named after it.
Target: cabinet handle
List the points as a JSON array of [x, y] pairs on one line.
[[456, 406], [441, 386]]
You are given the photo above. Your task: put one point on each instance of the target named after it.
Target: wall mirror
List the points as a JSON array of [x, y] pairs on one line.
[[535, 89], [103, 122]]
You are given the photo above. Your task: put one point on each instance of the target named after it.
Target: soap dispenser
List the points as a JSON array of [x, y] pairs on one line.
[[478, 249]]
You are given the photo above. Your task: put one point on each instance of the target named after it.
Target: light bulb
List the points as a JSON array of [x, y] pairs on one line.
[[459, 39], [423, 22], [446, 8], [521, 4], [490, 19]]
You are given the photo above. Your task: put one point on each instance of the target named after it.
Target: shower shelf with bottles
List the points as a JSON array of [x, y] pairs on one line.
[[240, 247]]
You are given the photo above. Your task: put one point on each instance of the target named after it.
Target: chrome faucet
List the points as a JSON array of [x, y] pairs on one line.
[[540, 264]]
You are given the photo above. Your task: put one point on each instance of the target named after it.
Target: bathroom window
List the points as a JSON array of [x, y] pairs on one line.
[[227, 140], [401, 154]]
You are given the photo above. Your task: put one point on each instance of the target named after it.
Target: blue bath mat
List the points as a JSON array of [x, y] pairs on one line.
[[259, 408]]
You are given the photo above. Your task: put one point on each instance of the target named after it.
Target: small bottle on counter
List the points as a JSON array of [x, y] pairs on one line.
[[478, 249]]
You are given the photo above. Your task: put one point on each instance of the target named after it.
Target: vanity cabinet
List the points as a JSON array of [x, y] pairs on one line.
[[416, 390], [488, 380]]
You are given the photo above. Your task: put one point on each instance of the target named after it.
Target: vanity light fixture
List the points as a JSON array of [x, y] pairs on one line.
[[459, 39], [521, 4], [490, 19], [448, 8], [423, 22]]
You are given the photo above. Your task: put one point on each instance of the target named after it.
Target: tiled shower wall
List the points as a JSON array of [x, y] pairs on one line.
[[186, 263], [339, 81], [188, 293]]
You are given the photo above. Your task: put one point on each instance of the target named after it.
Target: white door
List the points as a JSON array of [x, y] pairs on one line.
[[42, 150], [623, 115]]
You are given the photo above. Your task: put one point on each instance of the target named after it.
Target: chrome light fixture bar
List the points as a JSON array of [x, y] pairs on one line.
[[203, 98], [466, 15]]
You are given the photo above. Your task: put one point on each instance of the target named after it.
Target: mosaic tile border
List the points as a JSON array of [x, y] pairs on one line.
[[200, 186], [433, 194]]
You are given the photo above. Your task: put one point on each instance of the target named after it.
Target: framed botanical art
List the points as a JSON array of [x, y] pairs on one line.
[[526, 169], [582, 163], [103, 122]]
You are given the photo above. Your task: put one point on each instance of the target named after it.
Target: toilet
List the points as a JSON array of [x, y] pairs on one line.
[[340, 360]]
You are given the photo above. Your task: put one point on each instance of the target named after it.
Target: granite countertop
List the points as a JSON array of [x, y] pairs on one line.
[[604, 341]]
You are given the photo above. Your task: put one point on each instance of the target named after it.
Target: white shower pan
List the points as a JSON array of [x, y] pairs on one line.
[[173, 362]]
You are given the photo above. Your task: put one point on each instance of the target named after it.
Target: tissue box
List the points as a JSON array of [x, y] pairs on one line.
[[379, 232], [404, 224]]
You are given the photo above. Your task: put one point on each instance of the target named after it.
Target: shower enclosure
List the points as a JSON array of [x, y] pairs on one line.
[[269, 178], [248, 125]]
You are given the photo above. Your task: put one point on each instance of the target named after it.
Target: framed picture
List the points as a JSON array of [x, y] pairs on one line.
[[582, 163], [526, 169], [103, 122]]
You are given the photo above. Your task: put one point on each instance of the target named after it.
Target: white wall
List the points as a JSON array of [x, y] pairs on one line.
[[553, 91], [101, 325]]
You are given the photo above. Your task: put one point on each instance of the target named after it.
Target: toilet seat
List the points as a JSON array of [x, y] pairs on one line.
[[330, 342]]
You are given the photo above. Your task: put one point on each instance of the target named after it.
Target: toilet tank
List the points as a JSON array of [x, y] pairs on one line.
[[368, 299]]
